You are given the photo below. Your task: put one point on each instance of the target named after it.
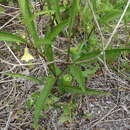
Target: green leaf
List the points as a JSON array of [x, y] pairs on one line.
[[88, 91], [28, 21], [17, 75], [2, 10], [50, 36], [94, 3], [42, 99], [4, 36], [43, 13], [78, 76], [89, 55], [67, 113], [73, 12], [109, 16], [112, 55], [49, 54], [55, 6], [65, 80], [89, 72], [96, 53]]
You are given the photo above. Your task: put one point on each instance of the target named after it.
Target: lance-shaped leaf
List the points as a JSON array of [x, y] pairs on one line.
[[55, 6], [42, 99], [88, 91], [108, 53], [17, 75], [4, 36], [48, 40], [73, 12], [50, 36], [29, 22], [78, 76], [50, 57]]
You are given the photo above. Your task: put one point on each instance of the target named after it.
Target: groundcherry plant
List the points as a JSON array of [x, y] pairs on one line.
[[73, 78]]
